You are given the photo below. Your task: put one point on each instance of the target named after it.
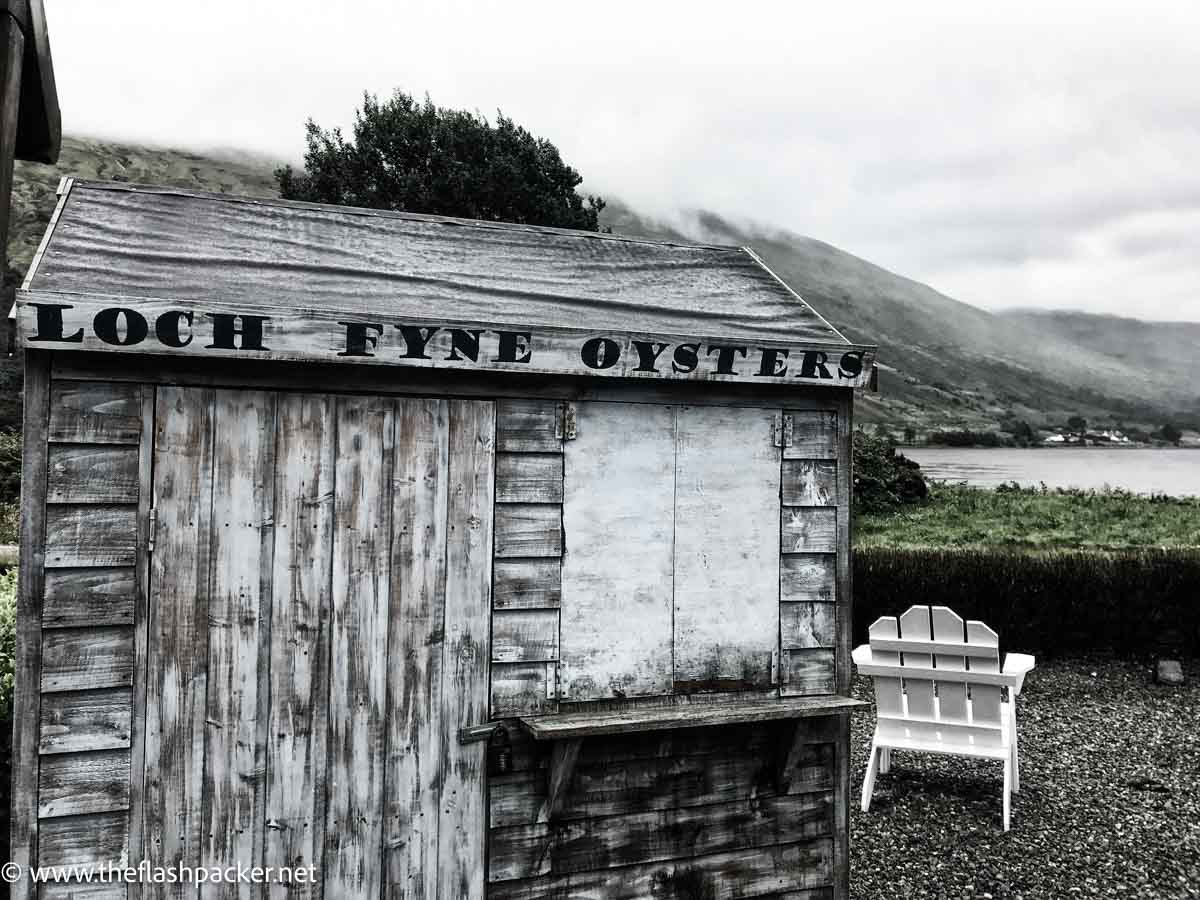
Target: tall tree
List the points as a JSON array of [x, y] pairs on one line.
[[417, 157]]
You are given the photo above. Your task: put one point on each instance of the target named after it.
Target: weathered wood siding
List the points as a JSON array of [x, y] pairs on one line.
[[91, 623], [734, 812], [814, 539], [340, 584], [527, 589], [282, 680]]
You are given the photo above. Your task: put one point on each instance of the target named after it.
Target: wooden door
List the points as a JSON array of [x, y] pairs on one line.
[[319, 595]]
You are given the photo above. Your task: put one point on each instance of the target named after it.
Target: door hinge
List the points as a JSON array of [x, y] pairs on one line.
[[564, 421], [151, 530], [551, 681], [774, 667], [783, 431]]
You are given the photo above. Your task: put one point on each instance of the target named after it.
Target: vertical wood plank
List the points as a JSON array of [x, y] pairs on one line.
[[299, 650], [27, 673], [952, 695], [617, 575], [914, 625], [985, 698], [176, 688], [238, 633], [415, 759], [141, 635], [726, 567], [889, 693], [461, 837], [358, 645], [845, 542]]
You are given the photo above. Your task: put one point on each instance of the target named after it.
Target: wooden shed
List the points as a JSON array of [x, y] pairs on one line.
[[448, 558]]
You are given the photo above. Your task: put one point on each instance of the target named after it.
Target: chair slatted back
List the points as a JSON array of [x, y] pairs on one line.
[[949, 707]]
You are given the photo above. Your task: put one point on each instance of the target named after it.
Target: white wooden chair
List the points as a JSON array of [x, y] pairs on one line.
[[938, 690]]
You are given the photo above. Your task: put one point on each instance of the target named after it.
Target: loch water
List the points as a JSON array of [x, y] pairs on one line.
[[1142, 470]]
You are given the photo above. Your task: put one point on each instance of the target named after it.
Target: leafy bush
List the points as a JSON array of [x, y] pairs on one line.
[[967, 438], [1128, 601], [8, 639], [10, 466], [883, 478]]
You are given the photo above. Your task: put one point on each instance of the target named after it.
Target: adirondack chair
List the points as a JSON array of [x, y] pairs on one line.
[[938, 686]]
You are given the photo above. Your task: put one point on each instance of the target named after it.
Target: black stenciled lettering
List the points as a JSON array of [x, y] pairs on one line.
[[50, 324], [227, 329], [725, 356], [167, 328], [464, 343], [514, 347], [600, 353], [686, 358], [648, 353], [359, 339], [772, 363], [813, 365], [110, 323], [851, 364], [415, 340]]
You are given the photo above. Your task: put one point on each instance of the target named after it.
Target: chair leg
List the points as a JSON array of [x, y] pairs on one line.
[[1008, 770], [1016, 767], [885, 760], [869, 778]]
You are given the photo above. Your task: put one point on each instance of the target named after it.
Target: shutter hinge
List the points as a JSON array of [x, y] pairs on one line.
[[774, 667], [551, 681], [564, 421], [152, 530], [783, 431]]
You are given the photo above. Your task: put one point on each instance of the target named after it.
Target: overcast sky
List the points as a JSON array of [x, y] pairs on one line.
[[1043, 154]]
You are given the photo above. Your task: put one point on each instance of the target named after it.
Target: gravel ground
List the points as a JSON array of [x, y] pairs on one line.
[[1109, 803]]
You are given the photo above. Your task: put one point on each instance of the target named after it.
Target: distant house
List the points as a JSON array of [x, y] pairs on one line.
[[1055, 439]]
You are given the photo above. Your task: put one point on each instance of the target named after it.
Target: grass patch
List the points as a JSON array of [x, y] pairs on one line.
[[959, 516]]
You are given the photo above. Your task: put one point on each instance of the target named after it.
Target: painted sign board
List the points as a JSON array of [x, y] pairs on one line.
[[61, 321]]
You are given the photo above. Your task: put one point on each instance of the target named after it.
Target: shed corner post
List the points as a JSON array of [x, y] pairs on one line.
[[26, 706], [845, 609]]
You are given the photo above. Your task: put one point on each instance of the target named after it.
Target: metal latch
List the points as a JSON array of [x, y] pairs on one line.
[[564, 421], [783, 430]]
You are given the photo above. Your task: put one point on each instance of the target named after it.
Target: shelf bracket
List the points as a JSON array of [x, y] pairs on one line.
[[563, 756]]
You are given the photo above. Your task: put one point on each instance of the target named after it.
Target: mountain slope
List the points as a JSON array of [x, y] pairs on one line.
[[943, 363]]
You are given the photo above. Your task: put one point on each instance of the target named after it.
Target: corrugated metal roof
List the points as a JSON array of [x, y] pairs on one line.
[[154, 242]]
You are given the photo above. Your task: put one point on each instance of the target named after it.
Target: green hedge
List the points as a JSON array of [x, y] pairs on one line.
[[1051, 602]]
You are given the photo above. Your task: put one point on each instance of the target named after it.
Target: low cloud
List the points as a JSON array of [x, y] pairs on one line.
[[1036, 155]]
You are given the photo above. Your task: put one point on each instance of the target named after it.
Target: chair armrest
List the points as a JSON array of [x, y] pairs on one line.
[[1017, 664]]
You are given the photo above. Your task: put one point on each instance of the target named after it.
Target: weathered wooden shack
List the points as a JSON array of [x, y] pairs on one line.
[[452, 559]]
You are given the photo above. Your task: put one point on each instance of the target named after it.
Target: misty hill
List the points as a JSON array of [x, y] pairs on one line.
[[943, 363], [1172, 348]]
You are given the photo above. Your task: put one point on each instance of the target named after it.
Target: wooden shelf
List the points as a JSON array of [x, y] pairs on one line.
[[582, 725]]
